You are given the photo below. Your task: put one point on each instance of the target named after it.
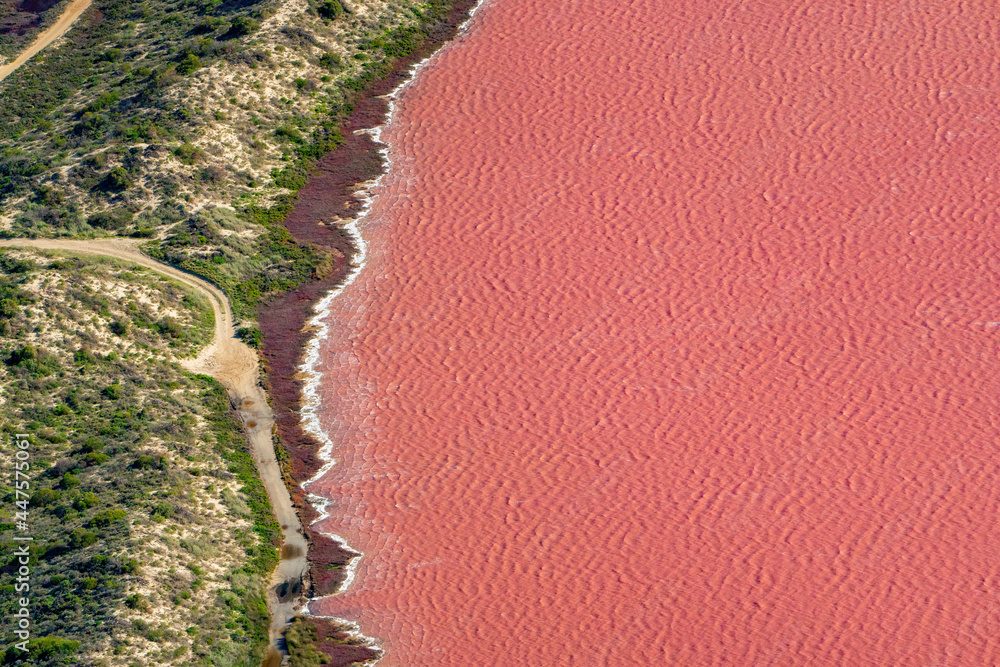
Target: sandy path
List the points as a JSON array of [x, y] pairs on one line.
[[51, 34], [232, 363]]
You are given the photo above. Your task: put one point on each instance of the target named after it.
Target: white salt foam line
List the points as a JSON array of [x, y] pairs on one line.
[[313, 377]]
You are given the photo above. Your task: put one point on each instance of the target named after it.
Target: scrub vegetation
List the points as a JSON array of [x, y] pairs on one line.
[[193, 123], [152, 534]]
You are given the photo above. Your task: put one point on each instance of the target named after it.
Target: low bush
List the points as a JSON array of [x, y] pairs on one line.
[[253, 337], [42, 649], [330, 61], [241, 26], [331, 9], [112, 219], [190, 63], [117, 180]]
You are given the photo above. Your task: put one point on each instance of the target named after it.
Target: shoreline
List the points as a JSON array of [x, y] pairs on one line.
[[290, 321], [366, 194]]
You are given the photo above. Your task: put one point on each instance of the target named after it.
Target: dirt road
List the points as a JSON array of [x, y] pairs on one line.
[[69, 16], [232, 363]]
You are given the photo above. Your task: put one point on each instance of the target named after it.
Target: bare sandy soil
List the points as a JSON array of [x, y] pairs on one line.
[[73, 11], [232, 363]]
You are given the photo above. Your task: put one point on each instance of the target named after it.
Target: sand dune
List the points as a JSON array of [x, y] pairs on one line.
[[232, 363]]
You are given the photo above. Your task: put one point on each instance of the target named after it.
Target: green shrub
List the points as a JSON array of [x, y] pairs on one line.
[[103, 102], [164, 510], [33, 361], [11, 265], [292, 178], [84, 356], [81, 539], [92, 126], [137, 601], [19, 357], [108, 517], [168, 326], [95, 458], [97, 160], [145, 461], [86, 501], [64, 264], [117, 180], [16, 170], [189, 64], [330, 61], [114, 391], [331, 9], [9, 308], [241, 25], [92, 444], [288, 132], [42, 648], [113, 218], [399, 42], [253, 337], [45, 496], [207, 25], [189, 154], [47, 196]]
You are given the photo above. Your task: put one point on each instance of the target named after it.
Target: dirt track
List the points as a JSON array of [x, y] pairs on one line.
[[232, 363], [73, 11]]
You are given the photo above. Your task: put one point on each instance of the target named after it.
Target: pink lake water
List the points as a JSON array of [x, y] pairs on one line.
[[677, 342]]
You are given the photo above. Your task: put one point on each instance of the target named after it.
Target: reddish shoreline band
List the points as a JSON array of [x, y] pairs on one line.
[[327, 198]]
